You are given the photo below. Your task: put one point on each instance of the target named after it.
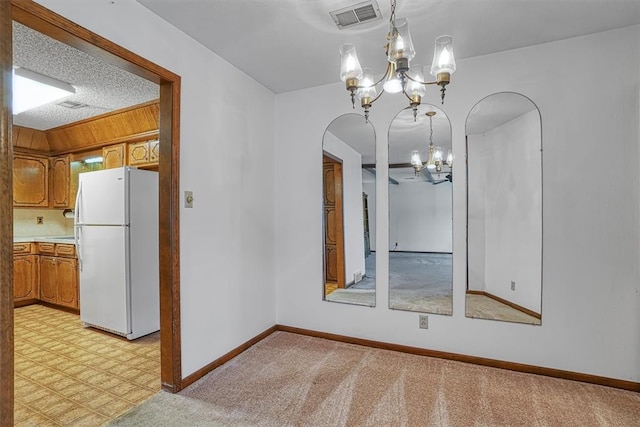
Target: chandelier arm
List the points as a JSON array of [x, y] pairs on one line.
[[418, 81], [376, 98]]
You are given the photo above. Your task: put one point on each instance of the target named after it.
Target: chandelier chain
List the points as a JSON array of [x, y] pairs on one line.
[[392, 17]]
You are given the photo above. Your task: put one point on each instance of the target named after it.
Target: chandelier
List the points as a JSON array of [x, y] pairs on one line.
[[399, 76], [435, 161]]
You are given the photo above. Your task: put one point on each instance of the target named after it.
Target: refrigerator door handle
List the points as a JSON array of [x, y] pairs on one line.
[[76, 226]]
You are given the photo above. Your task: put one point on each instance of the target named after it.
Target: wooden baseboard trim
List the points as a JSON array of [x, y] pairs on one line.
[[59, 307], [25, 303], [519, 367], [225, 358], [505, 302]]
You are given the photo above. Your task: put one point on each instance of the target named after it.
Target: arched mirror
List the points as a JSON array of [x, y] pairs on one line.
[[504, 209], [349, 170], [420, 211]]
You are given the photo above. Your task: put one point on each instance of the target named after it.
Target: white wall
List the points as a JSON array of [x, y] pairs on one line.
[[505, 183], [420, 217], [53, 223], [351, 204], [591, 290], [370, 189], [227, 286]]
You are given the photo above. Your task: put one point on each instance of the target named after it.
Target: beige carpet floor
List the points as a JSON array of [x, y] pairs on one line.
[[294, 380]]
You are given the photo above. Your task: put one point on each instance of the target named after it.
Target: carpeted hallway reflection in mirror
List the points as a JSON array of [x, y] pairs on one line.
[[420, 211], [348, 202], [504, 209]]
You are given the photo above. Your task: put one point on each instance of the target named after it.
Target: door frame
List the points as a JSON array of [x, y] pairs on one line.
[[57, 27], [338, 192]]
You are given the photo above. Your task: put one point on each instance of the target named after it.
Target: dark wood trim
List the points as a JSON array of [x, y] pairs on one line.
[[519, 367], [505, 302], [170, 339], [227, 357], [59, 307], [6, 213], [57, 27], [25, 302]]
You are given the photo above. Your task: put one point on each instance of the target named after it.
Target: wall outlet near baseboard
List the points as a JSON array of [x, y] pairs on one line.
[[423, 321], [39, 220], [513, 285]]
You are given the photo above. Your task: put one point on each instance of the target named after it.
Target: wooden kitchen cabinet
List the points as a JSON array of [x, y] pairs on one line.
[[25, 277], [67, 292], [48, 279], [30, 181], [143, 154], [59, 195], [114, 156], [59, 280]]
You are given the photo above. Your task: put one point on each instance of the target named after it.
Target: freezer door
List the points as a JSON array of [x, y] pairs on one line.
[[104, 277], [102, 197]]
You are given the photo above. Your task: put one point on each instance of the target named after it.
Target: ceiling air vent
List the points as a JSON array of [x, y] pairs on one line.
[[72, 105], [356, 14]]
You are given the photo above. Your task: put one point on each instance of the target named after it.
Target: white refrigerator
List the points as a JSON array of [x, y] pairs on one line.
[[116, 235]]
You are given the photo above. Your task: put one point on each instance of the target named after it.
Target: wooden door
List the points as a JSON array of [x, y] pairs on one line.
[[48, 279], [67, 292], [113, 156], [333, 222], [30, 181], [60, 174], [25, 277]]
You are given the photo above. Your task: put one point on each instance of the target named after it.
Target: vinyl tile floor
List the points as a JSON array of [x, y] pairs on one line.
[[68, 375]]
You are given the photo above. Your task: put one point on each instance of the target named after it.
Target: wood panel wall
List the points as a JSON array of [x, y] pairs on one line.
[[128, 124], [113, 127], [30, 139]]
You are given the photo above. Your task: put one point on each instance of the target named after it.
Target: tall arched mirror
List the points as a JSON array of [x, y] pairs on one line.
[[420, 211], [504, 209], [348, 165]]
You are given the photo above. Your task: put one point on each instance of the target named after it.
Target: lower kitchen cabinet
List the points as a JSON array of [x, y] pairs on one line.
[[25, 277], [59, 281]]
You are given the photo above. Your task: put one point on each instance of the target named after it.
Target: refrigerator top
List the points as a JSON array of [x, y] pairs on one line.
[[103, 197]]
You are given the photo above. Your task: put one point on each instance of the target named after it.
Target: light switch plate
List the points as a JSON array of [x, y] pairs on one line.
[[188, 199]]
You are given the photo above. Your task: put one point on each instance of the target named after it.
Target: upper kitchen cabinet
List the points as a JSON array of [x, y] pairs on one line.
[[30, 181], [113, 156], [143, 154], [59, 196]]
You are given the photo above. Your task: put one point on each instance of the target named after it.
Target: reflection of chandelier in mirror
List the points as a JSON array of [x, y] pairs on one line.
[[435, 161], [399, 77]]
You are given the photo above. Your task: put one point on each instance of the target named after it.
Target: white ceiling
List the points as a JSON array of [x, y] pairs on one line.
[[100, 86], [293, 44]]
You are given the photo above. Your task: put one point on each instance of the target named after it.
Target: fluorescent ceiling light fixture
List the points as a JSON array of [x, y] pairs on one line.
[[98, 159], [31, 90]]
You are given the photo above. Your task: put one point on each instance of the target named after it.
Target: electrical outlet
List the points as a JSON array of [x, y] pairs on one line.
[[513, 285], [423, 321], [39, 220]]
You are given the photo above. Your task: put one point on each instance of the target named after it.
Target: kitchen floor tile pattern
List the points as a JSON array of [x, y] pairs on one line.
[[68, 375]]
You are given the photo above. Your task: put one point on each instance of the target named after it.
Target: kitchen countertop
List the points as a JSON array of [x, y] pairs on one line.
[[47, 239]]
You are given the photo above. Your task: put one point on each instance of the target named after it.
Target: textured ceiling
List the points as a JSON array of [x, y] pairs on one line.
[[101, 86]]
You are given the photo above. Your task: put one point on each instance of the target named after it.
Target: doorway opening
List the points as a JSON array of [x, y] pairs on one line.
[[40, 19]]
